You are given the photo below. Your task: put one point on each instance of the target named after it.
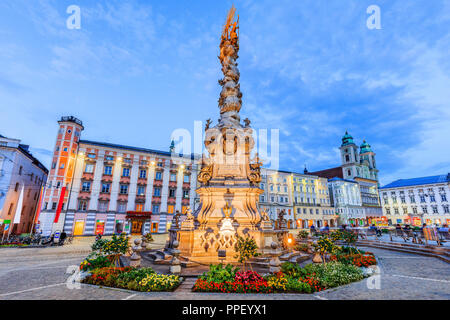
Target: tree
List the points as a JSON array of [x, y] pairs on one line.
[[246, 249]]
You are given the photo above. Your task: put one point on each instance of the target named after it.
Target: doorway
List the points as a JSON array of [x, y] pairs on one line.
[[136, 227], [79, 227]]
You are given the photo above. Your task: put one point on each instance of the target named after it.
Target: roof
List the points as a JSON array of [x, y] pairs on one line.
[[418, 181], [119, 146], [329, 173], [340, 179]]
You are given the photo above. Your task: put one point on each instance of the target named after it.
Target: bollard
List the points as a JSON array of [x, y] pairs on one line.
[[175, 265], [135, 259], [275, 261]]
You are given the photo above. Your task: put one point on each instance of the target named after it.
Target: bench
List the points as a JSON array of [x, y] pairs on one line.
[[364, 234], [406, 235]]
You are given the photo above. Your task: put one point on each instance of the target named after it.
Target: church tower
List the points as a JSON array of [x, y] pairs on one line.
[[61, 173], [349, 157], [368, 160]]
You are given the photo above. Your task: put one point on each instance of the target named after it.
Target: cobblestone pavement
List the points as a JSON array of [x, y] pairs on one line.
[[41, 274]]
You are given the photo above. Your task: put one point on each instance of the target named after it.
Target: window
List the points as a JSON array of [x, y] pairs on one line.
[[388, 211], [185, 193], [86, 186], [82, 205], [20, 170], [386, 201], [173, 177], [443, 197], [158, 176], [155, 208], [89, 168], [123, 189], [186, 178], [53, 165], [261, 198], [424, 209], [109, 158], [157, 192], [435, 209], [125, 172], [102, 206], [172, 193], [143, 174], [304, 211], [446, 210], [107, 170], [16, 187], [432, 198], [141, 190], [170, 208], [10, 209], [396, 211], [121, 207], [405, 210], [412, 199], [414, 210], [422, 199], [402, 199], [106, 187], [139, 207]]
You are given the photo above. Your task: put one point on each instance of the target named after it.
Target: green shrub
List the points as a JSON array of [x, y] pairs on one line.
[[293, 270], [219, 274], [301, 247], [302, 235], [133, 276], [295, 285], [95, 263]]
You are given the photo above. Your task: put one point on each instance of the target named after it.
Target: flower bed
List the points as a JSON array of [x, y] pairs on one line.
[[145, 279], [102, 267], [291, 279], [360, 259]]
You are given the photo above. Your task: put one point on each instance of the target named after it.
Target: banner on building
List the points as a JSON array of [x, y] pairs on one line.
[[38, 208], [18, 213], [60, 204]]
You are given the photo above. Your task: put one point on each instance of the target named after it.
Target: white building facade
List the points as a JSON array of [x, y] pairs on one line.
[[97, 187], [346, 198], [418, 200], [19, 170]]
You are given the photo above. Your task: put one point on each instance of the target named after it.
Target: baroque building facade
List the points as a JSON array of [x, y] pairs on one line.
[[358, 164], [346, 199], [97, 187], [304, 198], [417, 200], [21, 180]]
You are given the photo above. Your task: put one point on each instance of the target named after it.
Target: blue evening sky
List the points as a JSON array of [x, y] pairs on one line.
[[137, 70]]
